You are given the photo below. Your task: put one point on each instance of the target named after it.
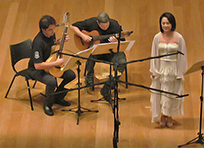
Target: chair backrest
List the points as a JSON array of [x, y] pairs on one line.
[[20, 51]]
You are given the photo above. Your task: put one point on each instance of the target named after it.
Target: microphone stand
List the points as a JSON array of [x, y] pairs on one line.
[[79, 108], [79, 111], [115, 105]]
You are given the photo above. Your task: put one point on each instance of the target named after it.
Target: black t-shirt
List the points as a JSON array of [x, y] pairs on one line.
[[41, 49], [91, 24]]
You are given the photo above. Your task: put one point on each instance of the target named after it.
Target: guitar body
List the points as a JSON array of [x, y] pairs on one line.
[[82, 45], [55, 71]]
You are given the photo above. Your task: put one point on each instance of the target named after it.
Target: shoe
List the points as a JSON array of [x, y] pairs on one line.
[[89, 90], [170, 122], [48, 110], [163, 121], [88, 82], [62, 102], [108, 99], [162, 124]]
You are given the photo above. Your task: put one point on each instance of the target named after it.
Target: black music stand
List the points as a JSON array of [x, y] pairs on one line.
[[199, 139], [111, 47], [71, 62]]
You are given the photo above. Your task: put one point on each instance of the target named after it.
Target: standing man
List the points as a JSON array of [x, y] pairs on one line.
[[41, 50], [105, 26]]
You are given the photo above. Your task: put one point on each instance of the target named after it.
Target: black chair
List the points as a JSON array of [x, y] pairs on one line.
[[18, 52]]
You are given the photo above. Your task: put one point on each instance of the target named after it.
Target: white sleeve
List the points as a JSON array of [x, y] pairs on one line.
[[182, 63], [154, 63]]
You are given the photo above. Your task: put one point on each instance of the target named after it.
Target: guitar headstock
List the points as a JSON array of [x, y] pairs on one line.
[[66, 19], [124, 34]]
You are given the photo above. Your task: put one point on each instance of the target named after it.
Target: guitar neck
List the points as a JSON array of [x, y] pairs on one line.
[[102, 37], [63, 39]]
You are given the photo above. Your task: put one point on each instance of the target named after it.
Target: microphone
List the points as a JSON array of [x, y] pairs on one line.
[[58, 25]]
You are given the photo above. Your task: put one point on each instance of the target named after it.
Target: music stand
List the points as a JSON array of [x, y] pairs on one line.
[[197, 66], [70, 64], [104, 48], [111, 47]]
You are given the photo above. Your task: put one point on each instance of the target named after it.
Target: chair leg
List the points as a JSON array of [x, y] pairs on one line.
[[93, 83], [31, 101], [85, 69], [126, 76], [10, 85], [34, 84]]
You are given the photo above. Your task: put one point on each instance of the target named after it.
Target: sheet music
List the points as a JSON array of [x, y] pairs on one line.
[[71, 62], [197, 66], [104, 47], [130, 45]]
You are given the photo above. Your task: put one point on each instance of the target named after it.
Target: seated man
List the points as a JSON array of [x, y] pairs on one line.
[[105, 26], [41, 50]]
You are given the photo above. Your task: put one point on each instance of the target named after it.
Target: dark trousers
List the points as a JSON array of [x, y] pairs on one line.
[[51, 83], [118, 58], [90, 63]]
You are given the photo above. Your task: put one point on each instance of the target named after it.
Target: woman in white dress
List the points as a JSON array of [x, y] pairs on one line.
[[167, 72]]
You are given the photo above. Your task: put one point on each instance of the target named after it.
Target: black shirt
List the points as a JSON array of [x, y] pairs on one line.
[[91, 24], [41, 49]]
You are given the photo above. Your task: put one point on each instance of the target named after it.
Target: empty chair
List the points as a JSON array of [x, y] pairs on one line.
[[18, 52]]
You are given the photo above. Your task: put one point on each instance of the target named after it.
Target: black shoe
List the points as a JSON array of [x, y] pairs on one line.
[[108, 99], [48, 110], [62, 102], [105, 92]]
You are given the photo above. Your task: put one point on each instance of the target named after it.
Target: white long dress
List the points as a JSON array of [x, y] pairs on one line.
[[167, 70]]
